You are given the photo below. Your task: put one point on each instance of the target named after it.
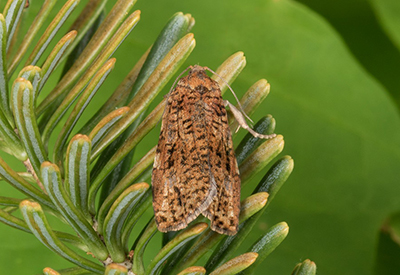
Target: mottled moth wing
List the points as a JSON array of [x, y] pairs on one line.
[[224, 210], [182, 182], [195, 163]]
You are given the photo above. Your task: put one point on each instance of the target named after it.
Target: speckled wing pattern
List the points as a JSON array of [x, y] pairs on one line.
[[195, 170]]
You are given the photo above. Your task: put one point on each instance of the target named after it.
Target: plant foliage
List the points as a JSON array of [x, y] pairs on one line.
[[85, 178]]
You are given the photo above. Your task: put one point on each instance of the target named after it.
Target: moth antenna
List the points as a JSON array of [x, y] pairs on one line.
[[230, 88]]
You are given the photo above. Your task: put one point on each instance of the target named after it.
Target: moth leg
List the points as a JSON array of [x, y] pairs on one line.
[[242, 122]]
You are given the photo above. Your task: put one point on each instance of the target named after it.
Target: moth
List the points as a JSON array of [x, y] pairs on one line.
[[195, 170]]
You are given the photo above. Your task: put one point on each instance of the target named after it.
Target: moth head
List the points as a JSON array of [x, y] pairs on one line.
[[197, 68]]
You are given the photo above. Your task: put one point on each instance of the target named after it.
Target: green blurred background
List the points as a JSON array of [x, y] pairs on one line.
[[334, 69]]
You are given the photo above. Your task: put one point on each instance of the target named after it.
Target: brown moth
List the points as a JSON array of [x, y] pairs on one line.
[[195, 170]]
